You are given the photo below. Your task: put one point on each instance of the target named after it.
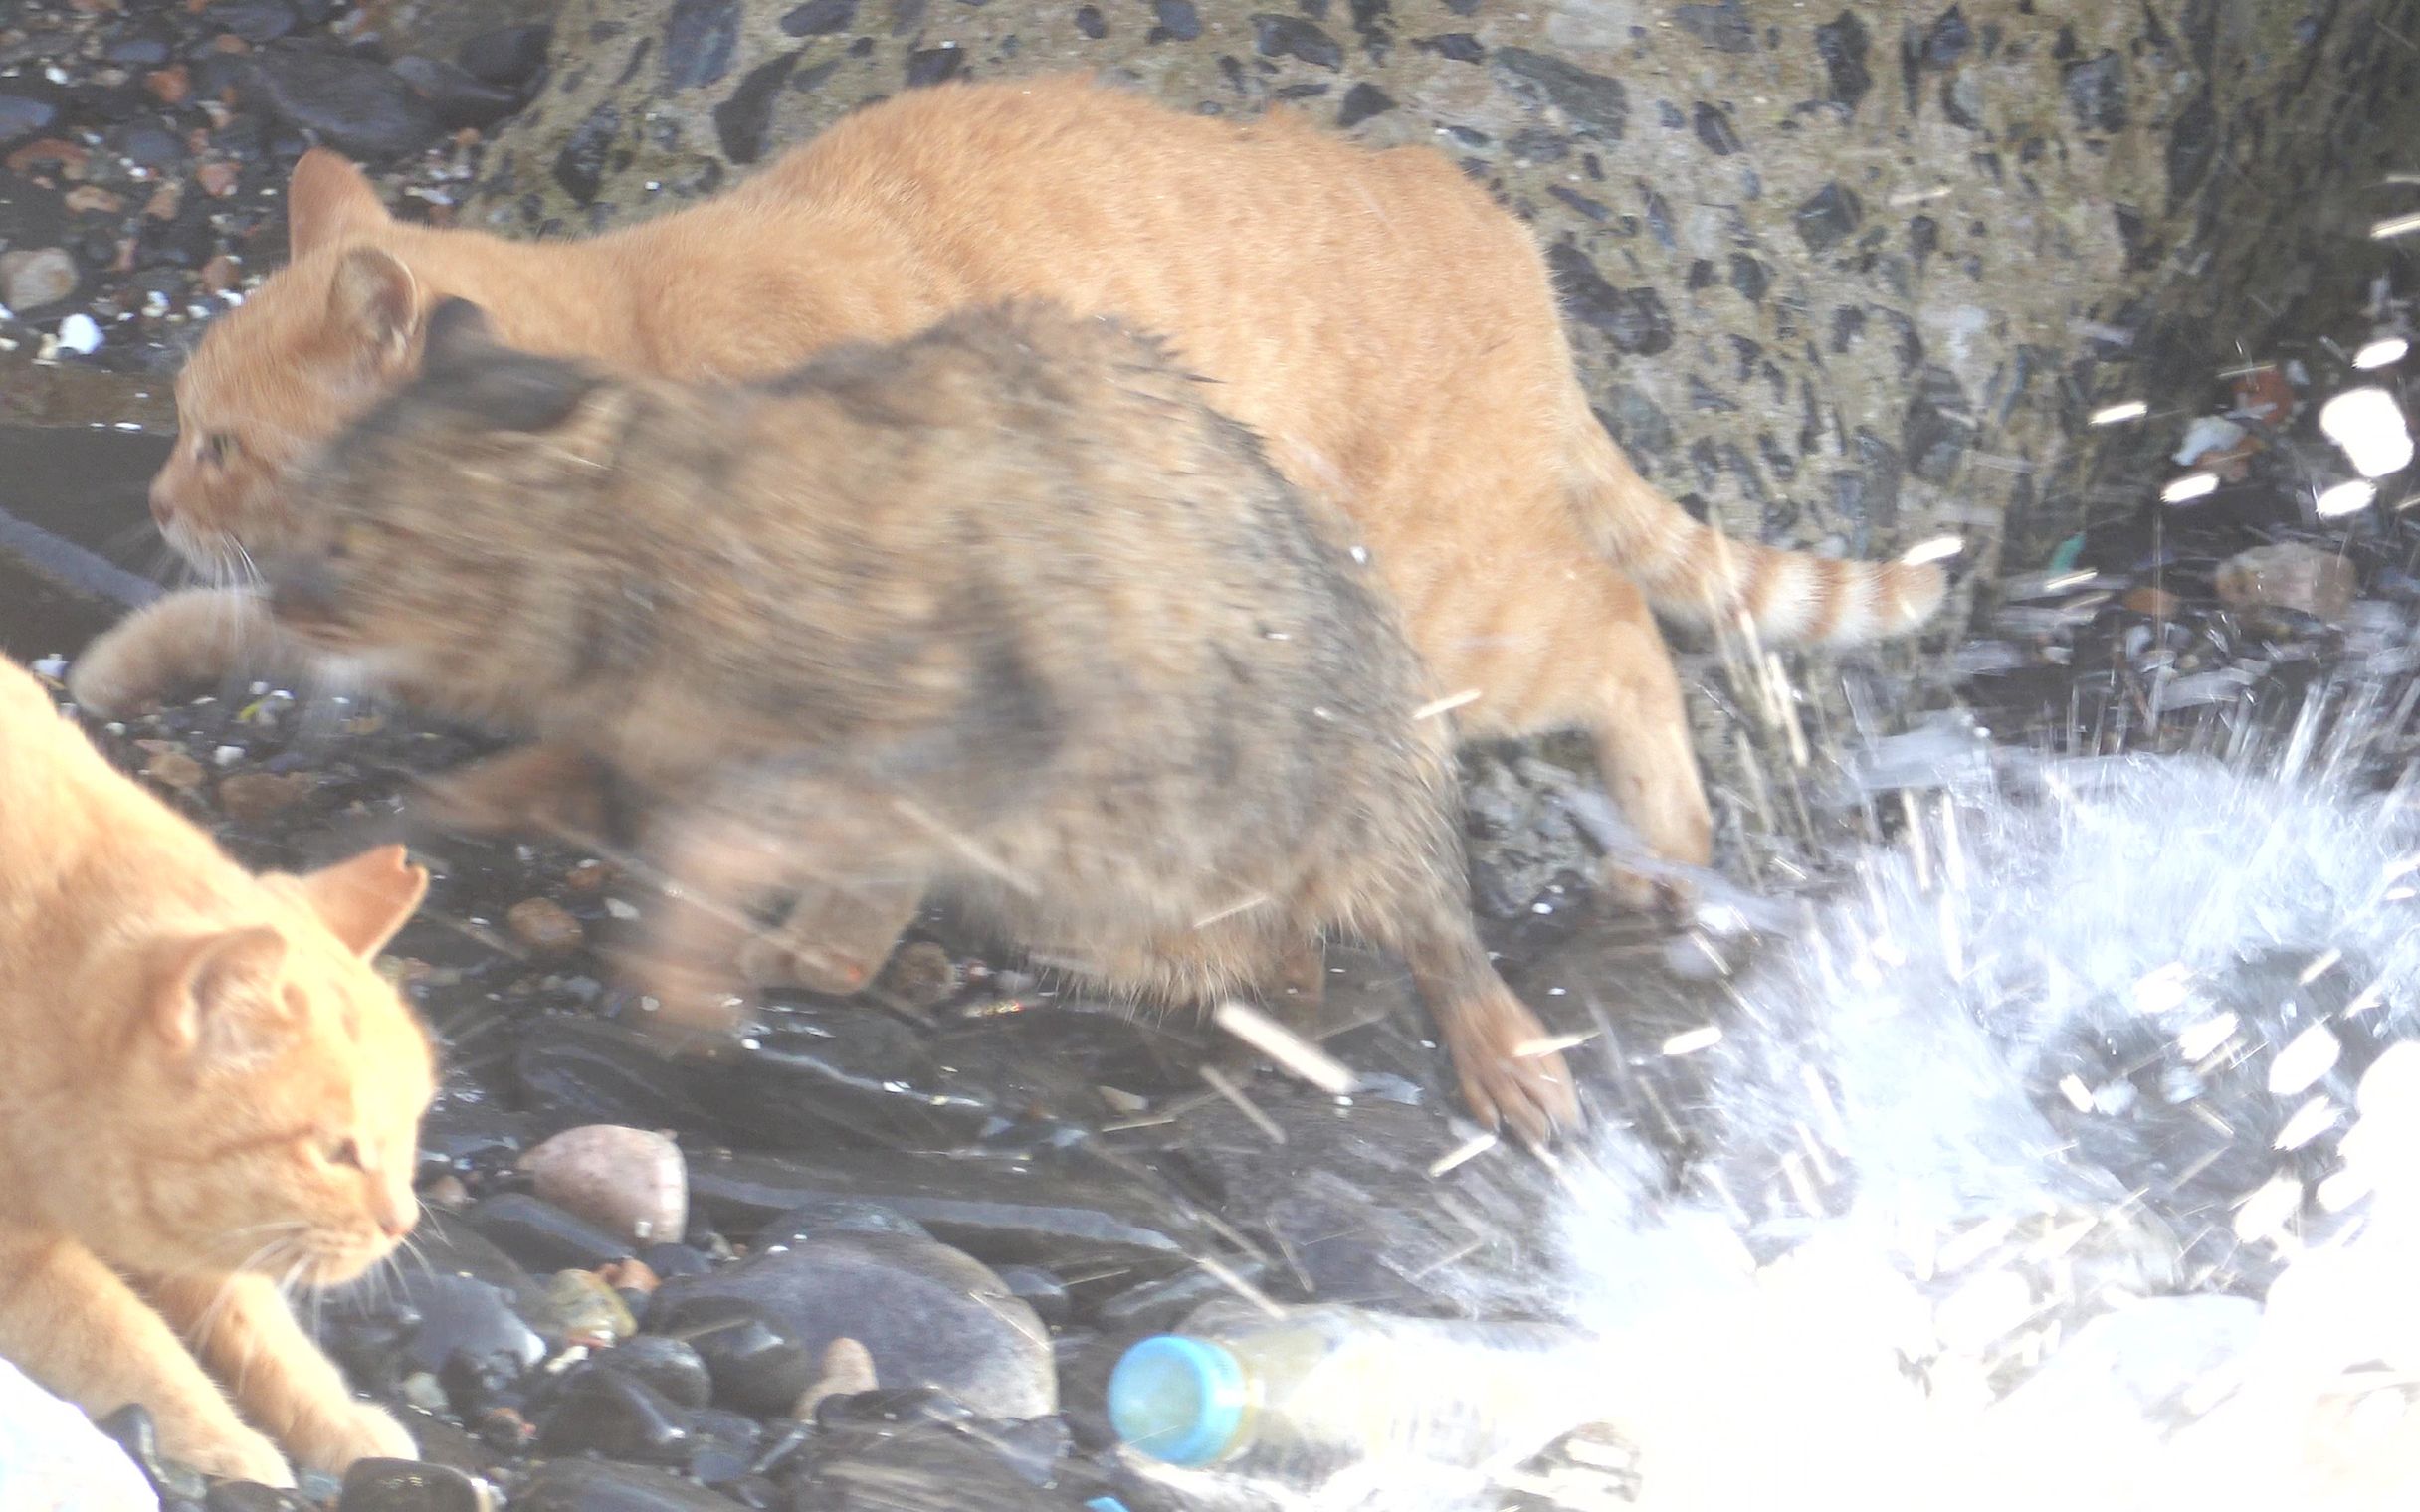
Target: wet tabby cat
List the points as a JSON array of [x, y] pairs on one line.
[[207, 1092], [1387, 329], [1005, 610]]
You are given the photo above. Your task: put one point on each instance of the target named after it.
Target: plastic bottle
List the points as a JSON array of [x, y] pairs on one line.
[[1305, 1395]]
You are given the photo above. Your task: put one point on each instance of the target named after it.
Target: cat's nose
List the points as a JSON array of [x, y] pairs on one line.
[[396, 1218], [163, 505]]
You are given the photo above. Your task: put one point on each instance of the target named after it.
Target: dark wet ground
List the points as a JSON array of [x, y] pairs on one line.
[[71, 500]]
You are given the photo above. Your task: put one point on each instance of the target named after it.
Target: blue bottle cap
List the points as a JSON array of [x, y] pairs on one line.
[[1106, 1504], [1178, 1398]]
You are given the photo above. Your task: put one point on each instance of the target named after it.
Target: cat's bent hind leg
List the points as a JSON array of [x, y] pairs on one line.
[[1649, 765]]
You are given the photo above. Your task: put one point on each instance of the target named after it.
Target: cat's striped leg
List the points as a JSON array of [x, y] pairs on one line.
[[282, 1379], [177, 642], [69, 1321]]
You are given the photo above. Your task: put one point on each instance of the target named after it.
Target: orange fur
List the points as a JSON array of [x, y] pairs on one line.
[[207, 1092], [1389, 330]]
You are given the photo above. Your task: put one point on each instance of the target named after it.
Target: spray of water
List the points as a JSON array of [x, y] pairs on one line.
[[2069, 1156]]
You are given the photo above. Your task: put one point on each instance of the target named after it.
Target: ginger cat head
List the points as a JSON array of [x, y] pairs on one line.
[[313, 346], [261, 1106], [388, 567]]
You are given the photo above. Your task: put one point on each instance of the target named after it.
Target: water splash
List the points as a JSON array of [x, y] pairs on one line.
[[2069, 1155]]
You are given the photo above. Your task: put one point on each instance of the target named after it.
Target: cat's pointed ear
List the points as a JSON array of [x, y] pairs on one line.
[[212, 994], [364, 901], [326, 200], [459, 337], [373, 302]]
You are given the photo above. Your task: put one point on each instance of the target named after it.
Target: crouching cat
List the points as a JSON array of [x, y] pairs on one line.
[[208, 1096], [1003, 610]]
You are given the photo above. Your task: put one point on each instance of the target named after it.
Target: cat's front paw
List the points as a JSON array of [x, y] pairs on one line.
[[358, 1431], [156, 652], [233, 1453]]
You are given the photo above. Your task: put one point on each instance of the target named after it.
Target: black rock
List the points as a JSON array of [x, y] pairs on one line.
[[1842, 44], [579, 168], [138, 52], [543, 1237], [2096, 91], [1038, 1289], [406, 1485], [1829, 214], [1174, 21], [22, 113], [149, 146], [699, 37], [1714, 129], [1362, 102], [584, 1486], [1159, 1305], [751, 1363], [997, 1467], [722, 1446], [1726, 27], [820, 18], [1937, 427], [671, 1367], [135, 1432], [1635, 317], [836, 1216], [256, 20], [249, 1496], [669, 1261], [350, 102], [615, 1413], [743, 120], [1090, 22], [929, 1315], [1002, 1214], [459, 97], [510, 54], [1281, 36], [1598, 105], [934, 64]]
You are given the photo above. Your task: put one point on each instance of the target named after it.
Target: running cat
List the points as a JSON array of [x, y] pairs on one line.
[[1004, 611]]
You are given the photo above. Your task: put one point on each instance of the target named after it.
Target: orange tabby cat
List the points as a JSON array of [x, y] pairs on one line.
[[1390, 332], [207, 1092]]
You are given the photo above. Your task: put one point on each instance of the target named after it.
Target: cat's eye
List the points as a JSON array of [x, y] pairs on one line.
[[345, 1153], [216, 449]]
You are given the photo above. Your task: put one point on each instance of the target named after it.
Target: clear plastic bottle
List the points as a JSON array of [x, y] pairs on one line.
[[1306, 1395]]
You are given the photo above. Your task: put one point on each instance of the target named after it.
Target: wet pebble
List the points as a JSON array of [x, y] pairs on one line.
[[837, 1215], [541, 1236], [22, 113], [353, 103], [405, 1485], [510, 54], [584, 1308], [929, 1315], [2289, 575], [133, 1429], [36, 278], [615, 1413], [249, 1496], [545, 926], [249, 797], [582, 1485], [632, 1182], [671, 1367], [458, 98]]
